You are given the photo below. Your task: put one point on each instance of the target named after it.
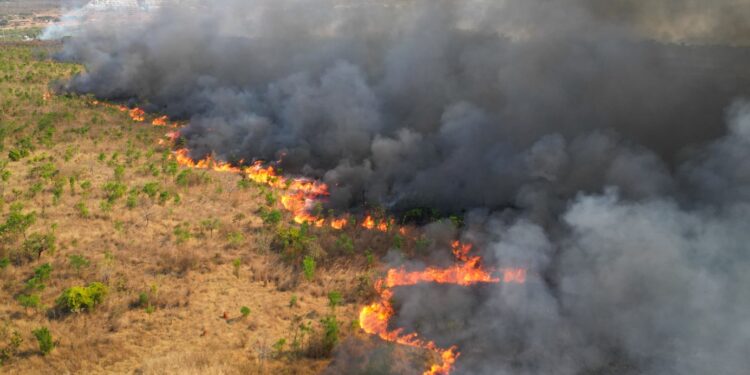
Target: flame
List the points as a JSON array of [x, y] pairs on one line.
[[339, 223], [383, 225], [160, 121], [46, 96], [374, 319], [301, 194], [137, 114]]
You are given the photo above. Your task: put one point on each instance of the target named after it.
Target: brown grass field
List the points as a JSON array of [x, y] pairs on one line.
[[180, 251]]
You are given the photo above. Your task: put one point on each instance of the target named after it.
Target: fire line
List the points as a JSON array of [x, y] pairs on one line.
[[300, 195]]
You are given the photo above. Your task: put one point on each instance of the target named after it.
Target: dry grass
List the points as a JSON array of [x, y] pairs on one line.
[[191, 322]]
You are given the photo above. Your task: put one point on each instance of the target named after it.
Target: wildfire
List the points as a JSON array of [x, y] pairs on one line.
[[160, 121], [383, 225], [137, 114], [300, 195], [374, 319]]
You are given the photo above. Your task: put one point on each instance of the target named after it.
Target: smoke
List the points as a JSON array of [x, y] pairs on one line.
[[601, 145]]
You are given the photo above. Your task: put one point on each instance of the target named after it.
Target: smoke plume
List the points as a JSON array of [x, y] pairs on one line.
[[602, 145]]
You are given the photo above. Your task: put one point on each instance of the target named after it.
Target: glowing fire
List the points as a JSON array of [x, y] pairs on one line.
[[137, 114], [299, 197], [160, 121], [374, 318]]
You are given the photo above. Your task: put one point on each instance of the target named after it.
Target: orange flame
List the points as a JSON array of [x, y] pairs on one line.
[[374, 319], [160, 121], [300, 194], [137, 114]]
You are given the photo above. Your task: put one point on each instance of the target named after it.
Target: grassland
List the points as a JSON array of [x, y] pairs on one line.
[[134, 264]]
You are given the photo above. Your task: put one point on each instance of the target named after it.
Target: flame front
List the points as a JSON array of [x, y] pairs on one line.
[[374, 319], [300, 195]]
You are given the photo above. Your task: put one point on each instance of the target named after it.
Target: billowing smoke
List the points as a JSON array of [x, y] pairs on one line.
[[602, 145]]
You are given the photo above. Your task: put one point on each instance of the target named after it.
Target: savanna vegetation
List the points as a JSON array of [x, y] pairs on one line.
[[114, 258]]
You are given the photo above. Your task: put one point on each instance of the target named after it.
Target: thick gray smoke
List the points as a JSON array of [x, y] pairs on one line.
[[603, 145]]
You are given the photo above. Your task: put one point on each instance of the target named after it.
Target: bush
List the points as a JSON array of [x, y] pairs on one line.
[[293, 242], [151, 189], [308, 267], [17, 154], [330, 334], [236, 264], [245, 311], [334, 299], [44, 338], [271, 217], [83, 211], [36, 244], [78, 262], [13, 341], [235, 239], [17, 222], [114, 190], [78, 298], [41, 274], [29, 301], [345, 243], [182, 233]]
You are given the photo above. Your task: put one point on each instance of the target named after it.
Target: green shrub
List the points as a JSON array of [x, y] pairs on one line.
[[44, 338], [182, 233], [308, 267], [37, 243], [41, 274], [330, 334], [12, 340], [237, 263], [78, 262], [235, 239], [245, 311], [334, 299], [17, 222], [278, 347], [244, 184], [17, 154], [119, 172], [293, 242], [83, 211], [78, 298], [271, 217], [105, 206], [132, 201], [151, 189], [345, 243], [114, 190], [29, 301], [270, 198]]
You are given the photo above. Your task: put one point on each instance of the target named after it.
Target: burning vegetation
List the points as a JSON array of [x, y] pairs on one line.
[[570, 177], [299, 197]]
